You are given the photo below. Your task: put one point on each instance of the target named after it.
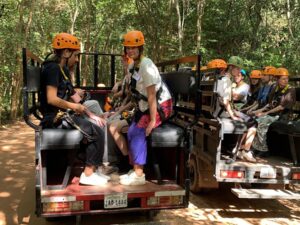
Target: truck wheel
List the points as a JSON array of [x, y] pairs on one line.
[[194, 176]]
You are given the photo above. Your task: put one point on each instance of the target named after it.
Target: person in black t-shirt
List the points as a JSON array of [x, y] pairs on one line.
[[56, 95]]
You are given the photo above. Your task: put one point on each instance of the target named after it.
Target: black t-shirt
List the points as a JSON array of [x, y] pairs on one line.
[[52, 76]]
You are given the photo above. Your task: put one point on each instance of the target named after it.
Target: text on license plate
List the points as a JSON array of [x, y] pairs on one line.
[[118, 200]]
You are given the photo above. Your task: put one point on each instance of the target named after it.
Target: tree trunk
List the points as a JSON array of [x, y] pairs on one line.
[[200, 12], [288, 15], [74, 16], [179, 26]]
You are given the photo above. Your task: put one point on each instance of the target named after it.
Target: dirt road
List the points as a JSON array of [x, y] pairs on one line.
[[215, 207]]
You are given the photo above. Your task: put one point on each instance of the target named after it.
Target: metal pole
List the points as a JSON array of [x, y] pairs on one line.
[[96, 70], [112, 70]]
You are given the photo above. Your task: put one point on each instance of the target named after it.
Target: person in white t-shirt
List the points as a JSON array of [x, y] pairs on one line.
[[154, 104], [240, 90]]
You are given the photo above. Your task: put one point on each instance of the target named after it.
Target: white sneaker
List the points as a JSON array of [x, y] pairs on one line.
[[248, 156], [94, 180], [126, 175], [133, 179], [240, 154], [101, 174]]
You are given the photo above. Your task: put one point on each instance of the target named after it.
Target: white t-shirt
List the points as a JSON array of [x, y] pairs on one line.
[[223, 89], [148, 75], [242, 90]]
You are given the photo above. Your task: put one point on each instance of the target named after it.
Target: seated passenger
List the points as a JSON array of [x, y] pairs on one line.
[[240, 90], [117, 123], [224, 85], [282, 99], [55, 98], [154, 104], [255, 80], [264, 91], [224, 108]]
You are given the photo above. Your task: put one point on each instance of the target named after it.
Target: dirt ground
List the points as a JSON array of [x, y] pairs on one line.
[[215, 207]]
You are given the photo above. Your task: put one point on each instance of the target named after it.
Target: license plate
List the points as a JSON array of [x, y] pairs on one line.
[[267, 172], [115, 201]]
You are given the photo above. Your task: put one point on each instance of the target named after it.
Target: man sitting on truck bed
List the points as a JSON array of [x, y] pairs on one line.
[[264, 91], [56, 91]]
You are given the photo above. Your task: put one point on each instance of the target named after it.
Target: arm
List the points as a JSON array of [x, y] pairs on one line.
[[228, 108], [52, 99], [152, 108], [121, 109], [261, 109], [77, 107], [274, 110], [249, 107]]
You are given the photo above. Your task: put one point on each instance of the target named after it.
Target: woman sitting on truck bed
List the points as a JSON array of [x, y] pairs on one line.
[[56, 98], [255, 84], [154, 104], [282, 98], [240, 89]]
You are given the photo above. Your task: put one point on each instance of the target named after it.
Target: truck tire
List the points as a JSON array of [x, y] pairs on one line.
[[194, 176]]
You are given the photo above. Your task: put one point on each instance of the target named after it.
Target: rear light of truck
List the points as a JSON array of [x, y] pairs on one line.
[[232, 174], [62, 206], [296, 176]]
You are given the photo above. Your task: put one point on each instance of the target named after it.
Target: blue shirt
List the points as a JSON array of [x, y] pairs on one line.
[[263, 93]]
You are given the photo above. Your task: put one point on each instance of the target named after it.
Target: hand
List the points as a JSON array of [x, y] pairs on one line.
[[236, 118], [260, 114], [99, 121], [80, 92], [249, 112], [80, 109], [76, 97], [109, 114], [150, 127]]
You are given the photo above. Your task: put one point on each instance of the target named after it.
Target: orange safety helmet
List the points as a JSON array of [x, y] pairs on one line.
[[268, 70], [282, 72], [217, 64], [65, 40], [255, 74], [133, 38]]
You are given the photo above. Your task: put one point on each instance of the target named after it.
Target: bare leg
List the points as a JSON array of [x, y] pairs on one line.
[[249, 138], [115, 129], [88, 170]]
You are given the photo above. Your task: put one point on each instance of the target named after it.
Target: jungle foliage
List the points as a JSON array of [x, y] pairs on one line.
[[261, 32]]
